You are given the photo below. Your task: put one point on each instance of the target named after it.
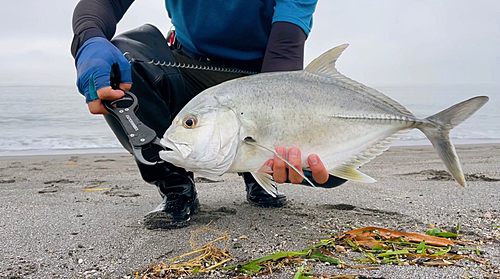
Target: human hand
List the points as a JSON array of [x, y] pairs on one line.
[[107, 93], [93, 61], [278, 166]]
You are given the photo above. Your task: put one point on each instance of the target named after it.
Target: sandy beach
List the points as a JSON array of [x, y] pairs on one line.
[[51, 228]]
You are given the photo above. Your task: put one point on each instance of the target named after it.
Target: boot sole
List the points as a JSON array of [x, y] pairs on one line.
[[274, 203]]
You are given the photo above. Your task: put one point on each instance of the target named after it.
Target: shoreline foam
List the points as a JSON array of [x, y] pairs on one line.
[[120, 150]]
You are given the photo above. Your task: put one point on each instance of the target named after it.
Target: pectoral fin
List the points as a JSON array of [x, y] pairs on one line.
[[266, 182], [350, 173], [251, 141]]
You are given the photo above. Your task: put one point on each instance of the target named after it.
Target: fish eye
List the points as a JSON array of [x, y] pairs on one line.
[[189, 122]]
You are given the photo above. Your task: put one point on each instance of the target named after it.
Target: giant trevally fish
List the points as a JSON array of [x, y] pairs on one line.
[[235, 126]]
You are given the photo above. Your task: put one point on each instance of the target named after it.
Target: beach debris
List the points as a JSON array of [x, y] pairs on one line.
[[270, 263], [384, 246], [369, 236], [435, 231], [95, 189], [95, 185], [378, 245], [303, 271], [202, 259]]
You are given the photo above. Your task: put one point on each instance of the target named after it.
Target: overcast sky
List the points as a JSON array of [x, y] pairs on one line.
[[394, 42]]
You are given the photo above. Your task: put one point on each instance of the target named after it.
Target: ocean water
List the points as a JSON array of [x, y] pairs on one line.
[[55, 120], [50, 120], [424, 101]]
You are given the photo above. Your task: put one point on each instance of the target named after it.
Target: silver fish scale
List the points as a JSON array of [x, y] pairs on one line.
[[299, 109]]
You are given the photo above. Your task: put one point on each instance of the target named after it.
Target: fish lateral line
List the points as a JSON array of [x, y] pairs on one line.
[[368, 118], [251, 141]]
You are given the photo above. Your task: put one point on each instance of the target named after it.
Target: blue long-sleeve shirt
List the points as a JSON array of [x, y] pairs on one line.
[[236, 29]]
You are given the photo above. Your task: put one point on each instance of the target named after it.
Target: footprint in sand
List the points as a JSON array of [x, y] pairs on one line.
[[5, 181], [59, 181], [442, 175], [49, 189], [122, 192]]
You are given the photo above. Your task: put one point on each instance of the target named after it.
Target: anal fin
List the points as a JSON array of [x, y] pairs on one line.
[[350, 173], [266, 182], [349, 168]]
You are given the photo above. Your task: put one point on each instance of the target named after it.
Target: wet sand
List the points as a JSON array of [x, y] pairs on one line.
[[51, 228]]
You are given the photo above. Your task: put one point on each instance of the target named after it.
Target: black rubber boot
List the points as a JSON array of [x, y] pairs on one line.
[[179, 204], [257, 196], [332, 181]]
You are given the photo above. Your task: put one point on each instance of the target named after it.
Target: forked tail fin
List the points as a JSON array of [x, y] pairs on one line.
[[438, 132]]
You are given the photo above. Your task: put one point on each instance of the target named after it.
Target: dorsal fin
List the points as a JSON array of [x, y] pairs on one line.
[[325, 63], [324, 66]]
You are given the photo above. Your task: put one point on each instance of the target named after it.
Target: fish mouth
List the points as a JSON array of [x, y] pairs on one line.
[[181, 149]]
